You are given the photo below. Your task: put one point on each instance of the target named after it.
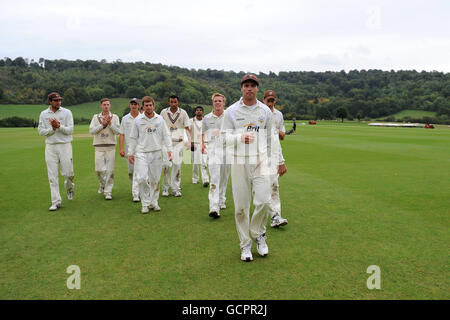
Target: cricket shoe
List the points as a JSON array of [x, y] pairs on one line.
[[261, 245], [136, 198], [144, 210], [108, 196], [214, 214], [70, 194], [246, 253], [55, 206], [101, 189], [222, 206], [194, 181], [165, 193], [205, 184], [156, 207], [177, 193], [278, 221]]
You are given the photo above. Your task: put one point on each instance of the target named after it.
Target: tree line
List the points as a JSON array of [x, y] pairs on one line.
[[362, 94]]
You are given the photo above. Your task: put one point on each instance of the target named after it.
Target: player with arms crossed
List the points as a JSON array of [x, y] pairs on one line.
[[148, 135]]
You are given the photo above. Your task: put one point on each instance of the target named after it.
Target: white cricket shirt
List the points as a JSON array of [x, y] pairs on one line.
[[149, 134], [176, 122], [61, 135]]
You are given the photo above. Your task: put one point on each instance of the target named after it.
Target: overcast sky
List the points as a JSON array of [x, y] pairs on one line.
[[239, 35]]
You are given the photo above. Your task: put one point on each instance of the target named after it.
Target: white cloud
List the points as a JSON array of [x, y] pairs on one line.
[[245, 35]]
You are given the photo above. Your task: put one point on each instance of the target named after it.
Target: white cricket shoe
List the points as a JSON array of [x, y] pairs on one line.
[[108, 196], [194, 181], [222, 206], [246, 253], [101, 189], [136, 198], [144, 209], [55, 206], [70, 194], [261, 245], [177, 193], [165, 193], [278, 221], [156, 207]]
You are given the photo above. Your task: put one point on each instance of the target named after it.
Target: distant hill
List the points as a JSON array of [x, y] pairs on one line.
[[413, 114], [307, 94]]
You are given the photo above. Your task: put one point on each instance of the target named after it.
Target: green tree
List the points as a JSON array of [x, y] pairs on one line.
[[70, 98], [342, 113], [322, 112]]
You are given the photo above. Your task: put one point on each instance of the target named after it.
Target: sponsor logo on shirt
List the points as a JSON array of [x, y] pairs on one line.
[[251, 127]]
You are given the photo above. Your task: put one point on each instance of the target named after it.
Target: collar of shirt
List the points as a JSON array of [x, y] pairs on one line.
[[147, 118], [178, 111], [218, 117], [50, 109], [101, 115], [242, 104]]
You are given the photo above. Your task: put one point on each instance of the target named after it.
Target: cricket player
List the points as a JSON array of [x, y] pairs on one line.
[[219, 170], [56, 124], [124, 142], [247, 126], [279, 132], [149, 133], [177, 120], [105, 127], [199, 159]]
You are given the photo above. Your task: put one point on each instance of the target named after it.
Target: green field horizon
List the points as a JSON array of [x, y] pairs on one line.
[[354, 195], [80, 111]]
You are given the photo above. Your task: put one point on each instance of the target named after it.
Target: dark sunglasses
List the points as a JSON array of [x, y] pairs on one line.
[[57, 100]]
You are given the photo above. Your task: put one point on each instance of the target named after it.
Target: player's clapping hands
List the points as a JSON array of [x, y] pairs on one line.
[[55, 123]]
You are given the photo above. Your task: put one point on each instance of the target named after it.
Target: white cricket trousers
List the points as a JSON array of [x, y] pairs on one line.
[[59, 156], [199, 164], [275, 203], [173, 180], [133, 180], [218, 187], [104, 166], [245, 180], [147, 168]]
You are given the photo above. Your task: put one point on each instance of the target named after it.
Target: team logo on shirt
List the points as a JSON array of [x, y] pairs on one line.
[[150, 129], [251, 127], [261, 119]]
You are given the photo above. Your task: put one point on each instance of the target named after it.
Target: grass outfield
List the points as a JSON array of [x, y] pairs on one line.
[[85, 110], [354, 196]]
